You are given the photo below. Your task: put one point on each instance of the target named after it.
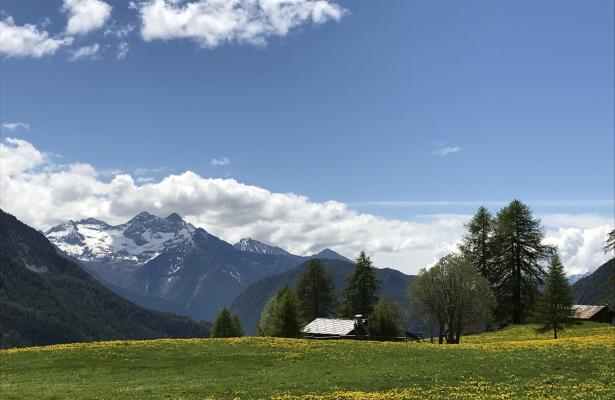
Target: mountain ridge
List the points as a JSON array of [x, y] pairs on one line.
[[170, 265]]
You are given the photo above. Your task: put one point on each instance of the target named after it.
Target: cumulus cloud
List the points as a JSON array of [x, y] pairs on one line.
[[43, 193], [85, 53], [18, 156], [85, 16], [220, 161], [15, 126], [27, 40], [214, 22]]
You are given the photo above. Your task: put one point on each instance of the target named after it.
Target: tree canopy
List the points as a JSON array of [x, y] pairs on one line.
[[315, 292], [452, 294], [518, 254], [386, 319], [280, 317], [361, 292], [477, 244], [227, 324], [554, 310]]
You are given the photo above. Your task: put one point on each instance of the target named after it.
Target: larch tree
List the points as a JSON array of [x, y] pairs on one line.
[[477, 243], [361, 292], [518, 256], [555, 304], [315, 292]]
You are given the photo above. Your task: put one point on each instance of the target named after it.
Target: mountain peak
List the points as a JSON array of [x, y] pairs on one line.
[[143, 216], [137, 241], [254, 246], [332, 255], [90, 221], [174, 217]]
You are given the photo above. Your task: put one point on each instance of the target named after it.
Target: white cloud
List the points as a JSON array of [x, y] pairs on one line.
[[220, 161], [562, 218], [85, 53], [581, 249], [27, 40], [15, 126], [146, 179], [42, 193], [85, 15], [444, 151], [214, 22], [119, 31], [18, 156], [122, 50]]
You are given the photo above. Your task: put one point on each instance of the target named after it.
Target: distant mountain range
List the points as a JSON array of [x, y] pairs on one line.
[[168, 264], [164, 264], [46, 299]]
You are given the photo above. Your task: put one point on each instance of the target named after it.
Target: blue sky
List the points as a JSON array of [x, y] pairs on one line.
[[396, 101]]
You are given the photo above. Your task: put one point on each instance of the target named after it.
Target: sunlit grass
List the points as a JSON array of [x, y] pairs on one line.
[[512, 363]]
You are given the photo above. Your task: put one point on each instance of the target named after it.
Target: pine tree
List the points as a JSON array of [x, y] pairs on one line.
[[554, 309], [227, 324], [361, 292], [477, 244], [315, 292], [286, 314], [518, 254]]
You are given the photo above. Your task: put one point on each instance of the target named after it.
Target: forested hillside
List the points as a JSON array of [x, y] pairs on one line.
[[45, 299], [597, 288]]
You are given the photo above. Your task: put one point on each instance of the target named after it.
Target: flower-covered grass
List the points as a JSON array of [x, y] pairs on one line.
[[514, 363]]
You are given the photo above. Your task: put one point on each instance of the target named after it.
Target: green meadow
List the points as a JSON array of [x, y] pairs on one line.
[[513, 363]]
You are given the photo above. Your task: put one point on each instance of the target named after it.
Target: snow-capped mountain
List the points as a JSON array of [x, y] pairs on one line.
[[136, 242], [254, 246], [168, 264]]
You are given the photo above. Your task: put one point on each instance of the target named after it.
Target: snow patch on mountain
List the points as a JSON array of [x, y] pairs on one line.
[[254, 246], [137, 241]]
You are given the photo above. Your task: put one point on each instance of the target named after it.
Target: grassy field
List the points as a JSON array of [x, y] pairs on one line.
[[511, 364]]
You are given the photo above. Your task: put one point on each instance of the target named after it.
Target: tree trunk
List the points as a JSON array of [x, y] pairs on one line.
[[517, 297], [441, 334], [517, 275], [554, 332]]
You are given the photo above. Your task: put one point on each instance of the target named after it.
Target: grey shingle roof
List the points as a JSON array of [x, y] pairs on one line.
[[329, 326]]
